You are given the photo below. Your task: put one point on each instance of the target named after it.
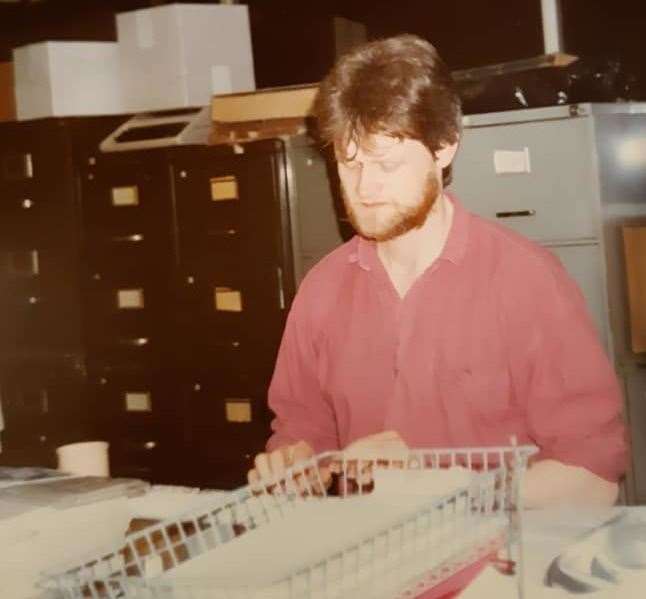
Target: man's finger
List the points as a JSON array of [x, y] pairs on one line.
[[263, 467], [277, 464], [252, 477]]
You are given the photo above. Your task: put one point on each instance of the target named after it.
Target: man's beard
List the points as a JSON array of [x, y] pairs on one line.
[[404, 220]]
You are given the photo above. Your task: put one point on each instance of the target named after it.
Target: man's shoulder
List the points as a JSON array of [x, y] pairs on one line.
[[326, 272], [521, 271], [319, 291], [507, 248]]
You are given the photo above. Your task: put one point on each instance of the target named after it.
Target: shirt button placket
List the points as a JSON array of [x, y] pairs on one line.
[[398, 328]]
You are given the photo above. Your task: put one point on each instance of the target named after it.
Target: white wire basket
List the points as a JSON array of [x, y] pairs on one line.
[[346, 537]]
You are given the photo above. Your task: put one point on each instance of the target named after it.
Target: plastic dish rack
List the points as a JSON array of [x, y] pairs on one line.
[[430, 551]]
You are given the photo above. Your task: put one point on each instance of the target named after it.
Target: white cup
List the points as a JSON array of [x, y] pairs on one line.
[[87, 459]]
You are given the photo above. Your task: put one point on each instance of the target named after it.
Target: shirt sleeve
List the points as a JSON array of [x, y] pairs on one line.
[[560, 372], [295, 396]]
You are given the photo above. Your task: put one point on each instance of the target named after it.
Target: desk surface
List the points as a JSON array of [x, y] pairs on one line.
[[546, 534]]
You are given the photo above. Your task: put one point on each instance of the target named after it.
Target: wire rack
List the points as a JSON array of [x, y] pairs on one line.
[[405, 555]]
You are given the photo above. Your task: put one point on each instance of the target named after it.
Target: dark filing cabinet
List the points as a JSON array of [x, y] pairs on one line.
[[41, 347], [144, 294], [191, 257], [128, 260], [234, 282]]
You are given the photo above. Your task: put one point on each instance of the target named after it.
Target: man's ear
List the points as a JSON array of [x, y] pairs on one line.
[[444, 156]]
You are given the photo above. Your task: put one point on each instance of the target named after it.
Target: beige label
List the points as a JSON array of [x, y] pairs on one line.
[[228, 300], [130, 299], [238, 410], [138, 402], [125, 196], [224, 188]]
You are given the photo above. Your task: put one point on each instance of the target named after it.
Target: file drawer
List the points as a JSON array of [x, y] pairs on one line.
[[538, 177]]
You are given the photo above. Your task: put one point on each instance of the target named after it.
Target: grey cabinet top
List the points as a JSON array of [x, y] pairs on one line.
[[551, 112]]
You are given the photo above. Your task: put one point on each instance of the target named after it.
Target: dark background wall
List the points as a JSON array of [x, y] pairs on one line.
[[293, 39]]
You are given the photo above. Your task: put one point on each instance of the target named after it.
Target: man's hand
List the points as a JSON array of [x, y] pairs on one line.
[[548, 483], [386, 448], [386, 445], [271, 467]]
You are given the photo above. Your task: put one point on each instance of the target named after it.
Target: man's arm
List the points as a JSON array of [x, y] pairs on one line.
[[548, 483], [304, 421], [302, 413], [567, 388]]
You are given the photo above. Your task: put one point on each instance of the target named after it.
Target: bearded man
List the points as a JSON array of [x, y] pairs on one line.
[[433, 327]]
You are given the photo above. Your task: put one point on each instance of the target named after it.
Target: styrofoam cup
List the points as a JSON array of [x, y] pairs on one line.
[[89, 458]]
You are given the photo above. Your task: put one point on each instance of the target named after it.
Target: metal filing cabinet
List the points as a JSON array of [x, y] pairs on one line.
[[226, 425], [191, 256], [41, 349], [235, 267], [128, 258], [138, 413], [568, 177], [144, 293], [243, 241]]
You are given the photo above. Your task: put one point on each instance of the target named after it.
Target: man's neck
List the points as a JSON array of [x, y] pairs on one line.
[[406, 257]]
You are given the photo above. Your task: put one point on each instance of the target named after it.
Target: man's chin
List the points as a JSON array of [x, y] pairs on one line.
[[381, 234], [384, 231]]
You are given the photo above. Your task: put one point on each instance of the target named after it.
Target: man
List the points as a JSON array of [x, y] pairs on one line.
[[433, 327]]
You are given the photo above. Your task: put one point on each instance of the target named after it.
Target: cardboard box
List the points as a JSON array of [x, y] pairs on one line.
[[294, 101], [179, 55], [7, 92], [67, 79], [223, 133]]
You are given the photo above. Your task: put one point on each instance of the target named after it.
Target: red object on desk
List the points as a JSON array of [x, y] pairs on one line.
[[455, 584]]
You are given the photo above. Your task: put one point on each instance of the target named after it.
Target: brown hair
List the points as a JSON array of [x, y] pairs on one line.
[[398, 86]]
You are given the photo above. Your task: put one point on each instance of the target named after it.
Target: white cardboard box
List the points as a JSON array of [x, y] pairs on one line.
[[181, 54], [67, 79]]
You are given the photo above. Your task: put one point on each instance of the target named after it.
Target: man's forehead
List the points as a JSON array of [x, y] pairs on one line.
[[377, 144]]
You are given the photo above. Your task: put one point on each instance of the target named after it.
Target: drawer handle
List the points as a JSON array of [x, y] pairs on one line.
[[281, 288], [149, 445], [137, 342], [223, 232], [136, 238], [513, 213]]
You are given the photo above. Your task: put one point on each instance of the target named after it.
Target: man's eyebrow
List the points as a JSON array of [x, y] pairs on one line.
[[391, 152]]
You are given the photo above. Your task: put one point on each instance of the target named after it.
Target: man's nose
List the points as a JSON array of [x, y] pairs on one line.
[[369, 184]]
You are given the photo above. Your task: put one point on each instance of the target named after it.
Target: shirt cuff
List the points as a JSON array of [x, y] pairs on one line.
[[318, 444], [607, 458]]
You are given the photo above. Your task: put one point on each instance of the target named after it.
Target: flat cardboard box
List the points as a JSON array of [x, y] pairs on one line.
[[7, 92], [179, 55], [67, 79], [635, 254], [294, 101], [222, 133]]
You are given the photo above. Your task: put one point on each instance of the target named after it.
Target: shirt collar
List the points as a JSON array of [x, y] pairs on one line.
[[457, 241], [365, 254]]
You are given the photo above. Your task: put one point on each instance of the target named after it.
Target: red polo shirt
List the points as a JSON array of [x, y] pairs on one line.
[[492, 340]]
